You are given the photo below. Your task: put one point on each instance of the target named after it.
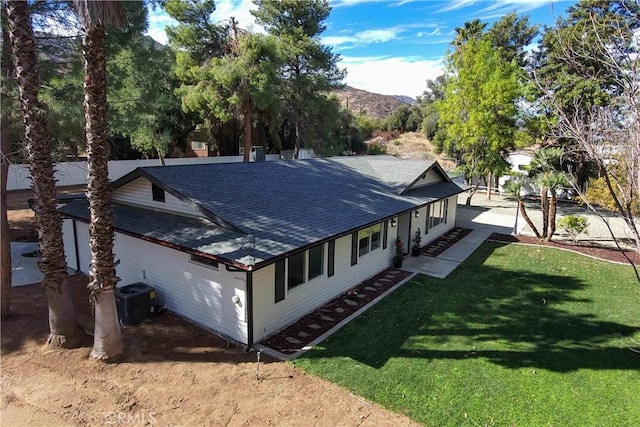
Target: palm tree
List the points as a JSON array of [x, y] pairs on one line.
[[514, 187], [5, 149], [94, 15], [64, 328], [553, 180], [472, 30], [545, 160]]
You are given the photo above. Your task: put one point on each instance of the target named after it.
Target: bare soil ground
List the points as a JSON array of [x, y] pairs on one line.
[[173, 373], [414, 145]]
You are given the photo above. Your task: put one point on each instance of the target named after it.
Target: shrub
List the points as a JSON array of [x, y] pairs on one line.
[[574, 226]]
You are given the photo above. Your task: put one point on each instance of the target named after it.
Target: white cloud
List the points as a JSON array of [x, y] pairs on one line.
[[336, 41], [349, 3], [225, 9], [365, 37], [497, 8], [158, 21], [391, 75], [240, 10], [456, 4]]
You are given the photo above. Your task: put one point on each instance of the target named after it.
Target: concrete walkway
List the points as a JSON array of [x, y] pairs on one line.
[[483, 221], [498, 215]]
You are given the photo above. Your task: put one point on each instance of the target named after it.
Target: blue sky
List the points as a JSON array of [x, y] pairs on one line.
[[391, 47]]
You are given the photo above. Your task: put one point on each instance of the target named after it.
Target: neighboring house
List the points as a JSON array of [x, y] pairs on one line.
[[199, 148], [519, 161], [245, 249]]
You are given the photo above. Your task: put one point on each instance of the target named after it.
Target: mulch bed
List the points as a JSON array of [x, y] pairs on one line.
[[299, 335], [444, 242], [595, 251]]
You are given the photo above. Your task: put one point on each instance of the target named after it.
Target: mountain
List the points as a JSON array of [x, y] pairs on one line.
[[371, 104], [406, 99]]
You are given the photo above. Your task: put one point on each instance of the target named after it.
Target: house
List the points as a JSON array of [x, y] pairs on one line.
[[245, 249]]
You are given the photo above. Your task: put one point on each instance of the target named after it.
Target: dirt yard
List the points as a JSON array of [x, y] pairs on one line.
[[414, 145], [173, 373]]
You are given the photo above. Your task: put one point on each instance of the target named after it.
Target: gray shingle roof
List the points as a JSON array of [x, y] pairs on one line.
[[276, 207]]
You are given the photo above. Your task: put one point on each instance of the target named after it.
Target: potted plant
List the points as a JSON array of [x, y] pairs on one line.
[[397, 258], [415, 247]]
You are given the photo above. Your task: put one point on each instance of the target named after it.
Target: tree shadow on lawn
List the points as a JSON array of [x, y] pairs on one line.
[[512, 318]]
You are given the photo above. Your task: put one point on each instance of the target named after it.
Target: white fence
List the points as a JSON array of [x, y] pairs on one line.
[[75, 173]]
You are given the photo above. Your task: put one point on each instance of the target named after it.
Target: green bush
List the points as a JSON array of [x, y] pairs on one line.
[[574, 226]]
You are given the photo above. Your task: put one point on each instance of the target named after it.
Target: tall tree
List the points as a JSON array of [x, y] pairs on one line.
[[95, 16], [142, 102], [309, 69], [5, 152], [64, 328], [478, 112], [243, 81], [471, 30], [435, 92], [197, 42], [511, 34], [479, 118]]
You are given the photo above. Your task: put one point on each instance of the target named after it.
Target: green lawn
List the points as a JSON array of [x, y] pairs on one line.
[[516, 335]]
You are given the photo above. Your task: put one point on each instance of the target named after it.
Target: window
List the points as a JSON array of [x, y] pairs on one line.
[[437, 213], [316, 261], [198, 145], [296, 270], [367, 240], [363, 241], [205, 262], [331, 261], [157, 193], [375, 236]]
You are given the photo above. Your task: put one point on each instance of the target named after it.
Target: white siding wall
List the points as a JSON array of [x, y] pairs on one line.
[[138, 192], [202, 295], [270, 317], [431, 177], [441, 228]]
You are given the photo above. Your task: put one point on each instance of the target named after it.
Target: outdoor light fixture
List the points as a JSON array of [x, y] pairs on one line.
[[416, 214], [393, 222]]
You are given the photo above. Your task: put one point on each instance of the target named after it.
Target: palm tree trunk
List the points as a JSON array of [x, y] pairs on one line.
[[5, 149], [64, 328], [553, 205], [5, 241], [544, 205], [527, 219], [107, 337]]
